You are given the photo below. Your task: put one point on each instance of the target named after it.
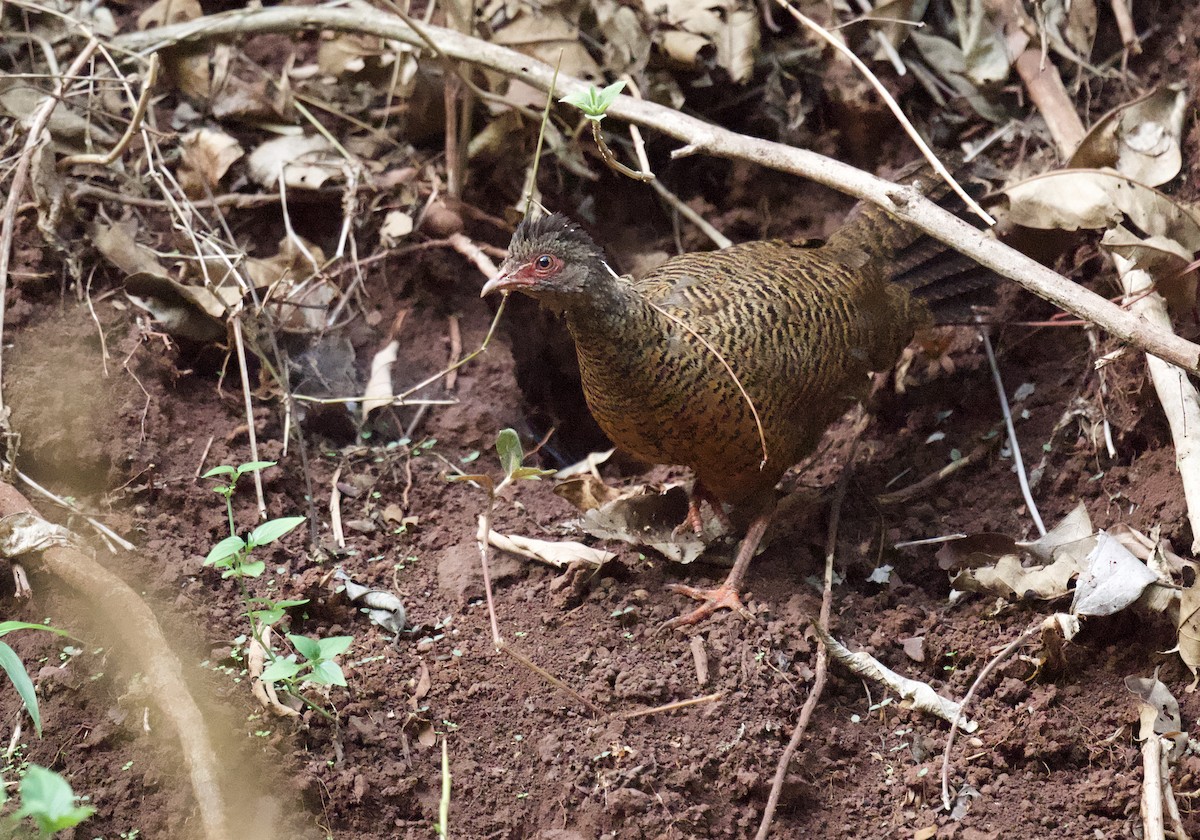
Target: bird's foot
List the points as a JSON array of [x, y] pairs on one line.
[[695, 516], [723, 597]]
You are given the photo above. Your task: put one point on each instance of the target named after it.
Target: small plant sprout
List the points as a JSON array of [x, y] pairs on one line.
[[318, 665], [594, 101], [47, 799], [594, 104], [313, 661]]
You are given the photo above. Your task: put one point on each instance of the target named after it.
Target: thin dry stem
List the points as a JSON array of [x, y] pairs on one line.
[[671, 707], [821, 670], [1008, 651], [893, 106], [135, 126]]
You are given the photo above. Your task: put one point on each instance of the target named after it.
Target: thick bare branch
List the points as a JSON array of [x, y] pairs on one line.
[[701, 137]]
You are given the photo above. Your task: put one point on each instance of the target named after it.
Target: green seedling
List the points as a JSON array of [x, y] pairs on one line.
[[313, 661], [15, 669], [315, 665], [594, 102], [47, 799]]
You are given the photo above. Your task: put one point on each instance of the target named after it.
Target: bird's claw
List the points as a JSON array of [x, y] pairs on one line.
[[722, 597]]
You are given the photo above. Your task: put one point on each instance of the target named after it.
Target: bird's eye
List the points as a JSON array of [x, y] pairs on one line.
[[543, 262]]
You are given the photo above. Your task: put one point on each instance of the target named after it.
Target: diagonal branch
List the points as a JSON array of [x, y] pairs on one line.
[[699, 136]]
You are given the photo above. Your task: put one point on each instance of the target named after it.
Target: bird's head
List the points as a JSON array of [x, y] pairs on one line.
[[551, 259]]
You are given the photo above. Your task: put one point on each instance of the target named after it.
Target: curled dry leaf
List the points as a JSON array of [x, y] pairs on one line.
[[24, 533], [1071, 199], [186, 65], [1159, 710], [191, 312], [1188, 629], [557, 553], [586, 492], [728, 27], [1112, 580], [381, 606], [379, 391], [307, 161], [643, 516], [1140, 139], [205, 156], [985, 54]]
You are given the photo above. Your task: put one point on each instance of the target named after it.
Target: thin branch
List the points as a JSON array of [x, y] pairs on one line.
[[700, 136]]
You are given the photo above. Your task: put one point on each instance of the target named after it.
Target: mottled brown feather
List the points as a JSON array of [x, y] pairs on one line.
[[802, 328]]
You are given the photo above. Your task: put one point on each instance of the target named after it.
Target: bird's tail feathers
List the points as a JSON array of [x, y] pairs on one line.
[[951, 284]]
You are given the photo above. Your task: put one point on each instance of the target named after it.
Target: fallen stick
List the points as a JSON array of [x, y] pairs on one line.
[[699, 137]]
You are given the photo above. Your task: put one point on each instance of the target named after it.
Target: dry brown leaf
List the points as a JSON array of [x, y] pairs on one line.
[[191, 312], [1140, 139], [1159, 710], [379, 391], [186, 65], [643, 516], [116, 242], [205, 156], [1071, 199], [1188, 629], [1113, 578], [557, 553], [307, 161], [730, 26], [586, 492]]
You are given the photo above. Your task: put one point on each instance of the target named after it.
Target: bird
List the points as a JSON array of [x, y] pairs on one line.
[[734, 362]]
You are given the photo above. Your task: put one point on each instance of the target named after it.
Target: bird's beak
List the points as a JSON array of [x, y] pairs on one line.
[[507, 280], [495, 284]]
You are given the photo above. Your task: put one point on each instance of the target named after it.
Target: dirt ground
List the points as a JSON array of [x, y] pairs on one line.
[[125, 426]]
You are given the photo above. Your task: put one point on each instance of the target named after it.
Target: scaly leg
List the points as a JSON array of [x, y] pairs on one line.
[[726, 596], [695, 518]]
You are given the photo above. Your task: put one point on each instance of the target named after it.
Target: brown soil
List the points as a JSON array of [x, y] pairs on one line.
[[126, 434]]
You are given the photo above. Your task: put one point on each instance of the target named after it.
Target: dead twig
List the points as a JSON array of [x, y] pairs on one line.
[[962, 707], [822, 665], [701, 137]]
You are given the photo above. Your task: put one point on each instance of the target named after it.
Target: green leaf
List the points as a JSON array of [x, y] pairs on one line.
[[327, 673], [266, 616], [252, 569], [225, 549], [279, 670], [7, 627], [221, 470], [508, 447], [273, 529], [310, 649], [332, 646], [47, 797], [592, 102], [254, 466], [531, 473], [15, 669]]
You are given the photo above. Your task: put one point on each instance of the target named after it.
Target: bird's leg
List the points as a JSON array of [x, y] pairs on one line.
[[695, 516], [727, 595]]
